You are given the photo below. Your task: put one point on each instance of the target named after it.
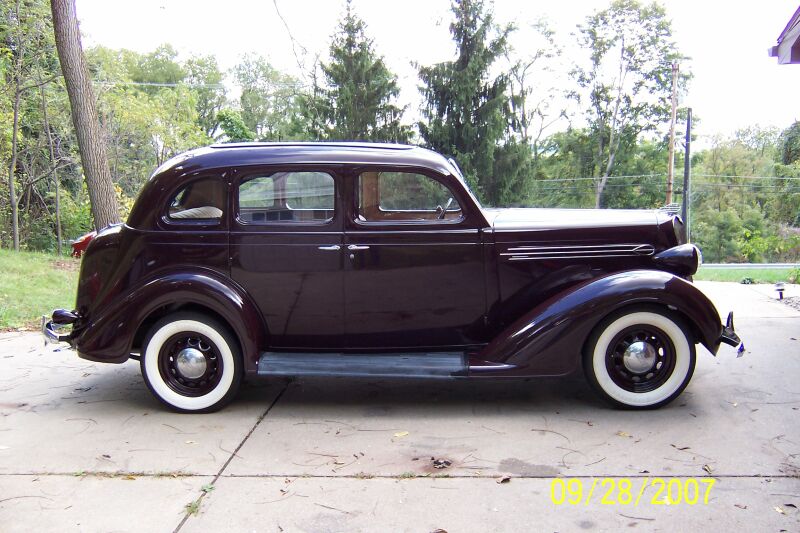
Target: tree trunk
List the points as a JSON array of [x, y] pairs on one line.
[[84, 114], [12, 194], [55, 172]]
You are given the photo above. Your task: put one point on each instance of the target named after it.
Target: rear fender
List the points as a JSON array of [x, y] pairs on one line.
[[109, 333], [548, 340]]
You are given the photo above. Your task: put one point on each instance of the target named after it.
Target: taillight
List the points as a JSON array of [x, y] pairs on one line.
[[79, 245]]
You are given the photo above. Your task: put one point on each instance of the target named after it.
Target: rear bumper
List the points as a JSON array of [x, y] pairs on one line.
[[729, 335], [51, 328]]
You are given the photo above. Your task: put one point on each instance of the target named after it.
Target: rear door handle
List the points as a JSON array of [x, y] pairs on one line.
[[354, 247], [332, 248]]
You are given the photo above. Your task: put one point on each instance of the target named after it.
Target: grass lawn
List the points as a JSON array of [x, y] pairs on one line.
[[32, 285], [767, 275]]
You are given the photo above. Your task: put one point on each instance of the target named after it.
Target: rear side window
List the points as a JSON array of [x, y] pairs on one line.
[[202, 199], [287, 197]]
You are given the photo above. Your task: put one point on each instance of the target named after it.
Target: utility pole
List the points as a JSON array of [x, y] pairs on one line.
[[687, 171], [671, 162]]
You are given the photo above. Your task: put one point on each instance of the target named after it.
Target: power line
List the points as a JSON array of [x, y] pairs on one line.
[[663, 176], [746, 177], [190, 85]]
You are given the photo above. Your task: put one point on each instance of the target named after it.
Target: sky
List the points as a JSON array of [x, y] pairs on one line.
[[735, 85]]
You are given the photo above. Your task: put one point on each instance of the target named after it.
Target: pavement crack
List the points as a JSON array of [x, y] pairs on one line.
[[208, 488]]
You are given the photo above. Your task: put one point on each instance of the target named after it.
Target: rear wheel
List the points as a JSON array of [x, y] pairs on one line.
[[191, 363], [640, 358]]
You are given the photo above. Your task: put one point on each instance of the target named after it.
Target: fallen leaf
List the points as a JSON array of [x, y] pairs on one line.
[[623, 434], [707, 468], [778, 509], [680, 448], [207, 488], [504, 479], [190, 442], [441, 463], [793, 506], [740, 506], [401, 434], [130, 477], [644, 472], [337, 462]]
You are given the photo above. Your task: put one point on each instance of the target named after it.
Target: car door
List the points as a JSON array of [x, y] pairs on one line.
[[285, 247], [414, 272]]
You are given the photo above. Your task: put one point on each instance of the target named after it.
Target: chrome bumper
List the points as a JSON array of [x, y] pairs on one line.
[[730, 337], [51, 334]]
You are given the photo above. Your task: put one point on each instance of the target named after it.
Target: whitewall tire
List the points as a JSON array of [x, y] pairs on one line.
[[191, 363], [640, 358]]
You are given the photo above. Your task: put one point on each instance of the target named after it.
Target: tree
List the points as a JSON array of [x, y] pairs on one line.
[[628, 78], [143, 125], [268, 99], [357, 100], [532, 103], [158, 68], [233, 127], [84, 114], [790, 144], [466, 110], [205, 79]]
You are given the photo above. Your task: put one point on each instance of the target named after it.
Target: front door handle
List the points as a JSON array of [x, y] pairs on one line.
[[333, 248], [354, 247]]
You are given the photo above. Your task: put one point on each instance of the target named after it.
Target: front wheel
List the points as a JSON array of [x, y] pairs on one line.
[[191, 363], [640, 359]]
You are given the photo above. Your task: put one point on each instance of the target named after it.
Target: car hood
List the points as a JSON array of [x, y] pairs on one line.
[[538, 219]]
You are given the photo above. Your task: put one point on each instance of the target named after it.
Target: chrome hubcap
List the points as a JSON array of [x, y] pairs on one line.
[[191, 363], [639, 357]]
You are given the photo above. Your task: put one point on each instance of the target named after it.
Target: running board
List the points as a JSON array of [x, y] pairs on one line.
[[388, 365]]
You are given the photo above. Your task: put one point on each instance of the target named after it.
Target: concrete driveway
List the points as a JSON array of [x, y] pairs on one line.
[[83, 447]]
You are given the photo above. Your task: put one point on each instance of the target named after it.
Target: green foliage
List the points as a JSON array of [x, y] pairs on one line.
[[356, 101], [147, 124], [233, 127], [269, 99], [206, 81], [466, 109], [717, 233], [628, 80], [790, 144], [158, 67]]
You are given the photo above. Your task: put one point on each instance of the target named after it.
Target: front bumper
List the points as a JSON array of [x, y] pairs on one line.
[[51, 328], [729, 335]]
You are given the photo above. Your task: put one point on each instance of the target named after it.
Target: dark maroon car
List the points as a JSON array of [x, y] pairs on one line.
[[347, 259]]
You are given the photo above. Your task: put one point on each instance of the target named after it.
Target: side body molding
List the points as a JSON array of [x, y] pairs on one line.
[[111, 331], [543, 341]]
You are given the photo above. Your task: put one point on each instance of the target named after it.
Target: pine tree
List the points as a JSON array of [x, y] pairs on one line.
[[357, 99], [467, 111]]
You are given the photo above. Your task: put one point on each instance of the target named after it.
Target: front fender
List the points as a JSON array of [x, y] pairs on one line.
[[548, 340], [109, 332]]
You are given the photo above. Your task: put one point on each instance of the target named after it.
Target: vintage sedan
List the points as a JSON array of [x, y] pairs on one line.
[[376, 260]]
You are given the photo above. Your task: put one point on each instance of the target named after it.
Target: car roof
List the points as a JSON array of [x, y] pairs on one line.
[[277, 153]]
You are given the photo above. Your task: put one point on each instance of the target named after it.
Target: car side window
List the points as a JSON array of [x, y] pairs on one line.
[[202, 199], [405, 197], [287, 197]]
